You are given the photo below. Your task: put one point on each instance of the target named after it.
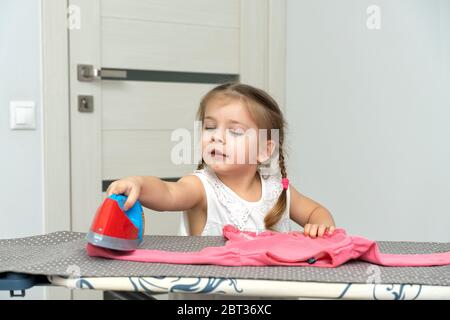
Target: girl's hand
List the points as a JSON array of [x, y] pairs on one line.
[[130, 186], [317, 230]]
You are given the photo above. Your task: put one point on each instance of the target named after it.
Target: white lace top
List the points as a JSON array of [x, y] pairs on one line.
[[224, 206]]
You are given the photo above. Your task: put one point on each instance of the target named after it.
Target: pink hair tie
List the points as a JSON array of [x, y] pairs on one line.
[[285, 183]]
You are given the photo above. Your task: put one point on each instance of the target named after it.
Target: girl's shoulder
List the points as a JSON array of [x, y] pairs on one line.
[[205, 175]]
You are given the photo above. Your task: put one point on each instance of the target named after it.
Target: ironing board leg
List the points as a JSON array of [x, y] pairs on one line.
[[127, 295]]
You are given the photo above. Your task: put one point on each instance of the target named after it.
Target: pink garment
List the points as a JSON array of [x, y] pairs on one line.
[[273, 248]]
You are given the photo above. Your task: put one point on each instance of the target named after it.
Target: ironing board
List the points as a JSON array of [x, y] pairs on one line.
[[60, 259]]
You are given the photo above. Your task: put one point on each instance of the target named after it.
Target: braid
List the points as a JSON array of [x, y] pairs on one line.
[[278, 209], [281, 163]]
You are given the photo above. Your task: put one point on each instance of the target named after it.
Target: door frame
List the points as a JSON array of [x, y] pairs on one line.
[[268, 73], [55, 124], [55, 115]]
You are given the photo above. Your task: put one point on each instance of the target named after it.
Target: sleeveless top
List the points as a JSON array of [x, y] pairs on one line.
[[225, 207]]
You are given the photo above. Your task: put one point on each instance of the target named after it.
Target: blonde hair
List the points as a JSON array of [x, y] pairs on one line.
[[267, 115]]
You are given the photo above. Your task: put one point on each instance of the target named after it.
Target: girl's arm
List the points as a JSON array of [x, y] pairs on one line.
[[160, 195], [315, 219]]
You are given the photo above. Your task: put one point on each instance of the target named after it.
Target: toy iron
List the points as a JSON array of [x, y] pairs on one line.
[[114, 228]]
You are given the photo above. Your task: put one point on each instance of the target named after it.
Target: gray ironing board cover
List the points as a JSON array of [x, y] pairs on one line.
[[60, 253]]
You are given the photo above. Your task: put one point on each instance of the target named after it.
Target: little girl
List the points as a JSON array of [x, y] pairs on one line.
[[232, 184]]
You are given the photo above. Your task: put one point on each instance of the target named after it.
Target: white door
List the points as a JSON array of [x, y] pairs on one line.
[[157, 59]]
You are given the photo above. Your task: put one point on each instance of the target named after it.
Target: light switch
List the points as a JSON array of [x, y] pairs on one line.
[[22, 115]]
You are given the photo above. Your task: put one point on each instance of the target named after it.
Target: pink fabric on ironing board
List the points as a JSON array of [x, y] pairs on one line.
[[273, 248]]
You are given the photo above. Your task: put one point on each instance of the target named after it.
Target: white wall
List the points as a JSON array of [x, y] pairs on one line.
[[21, 150], [369, 114]]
